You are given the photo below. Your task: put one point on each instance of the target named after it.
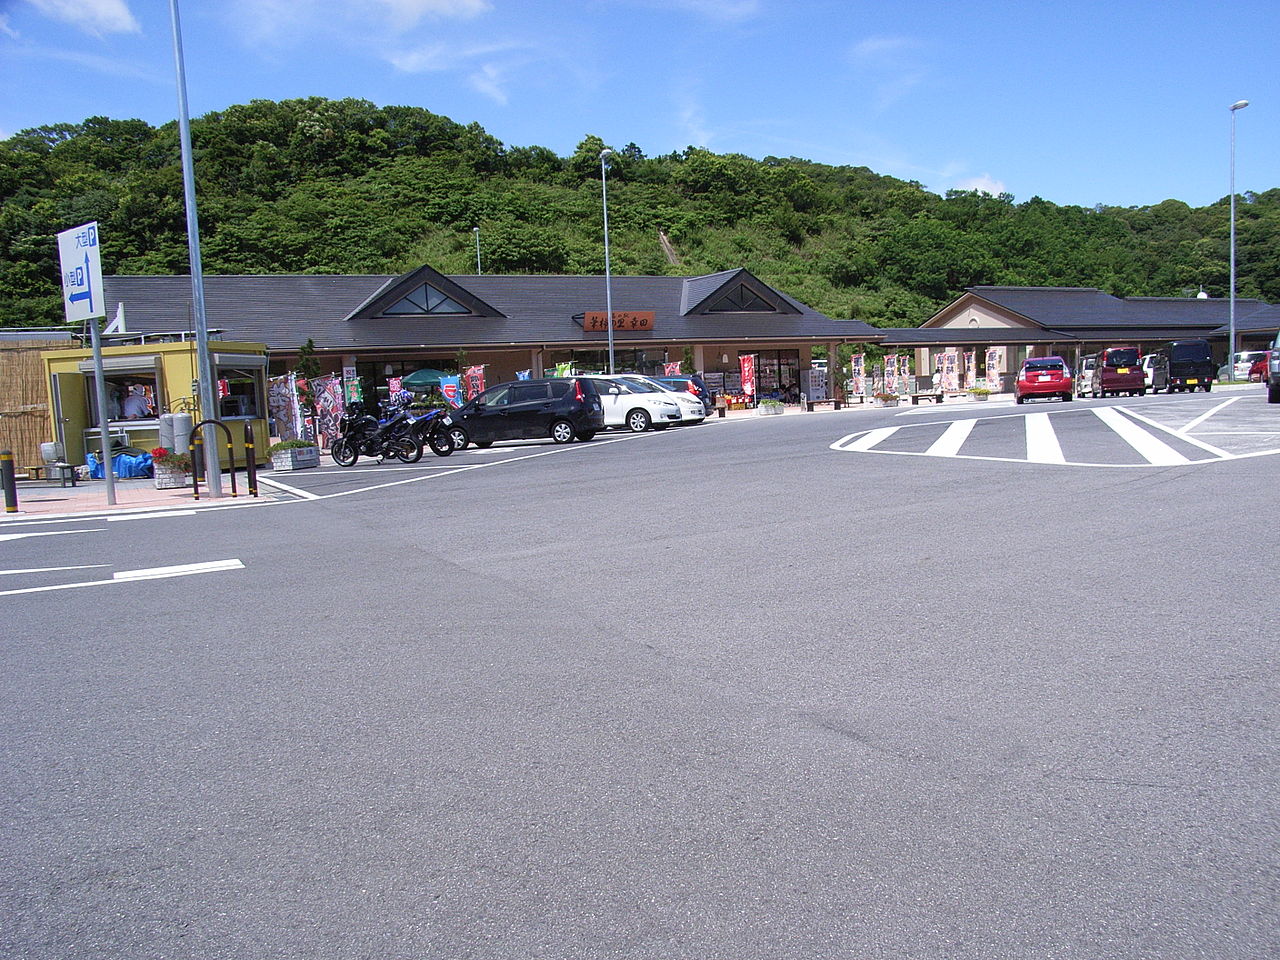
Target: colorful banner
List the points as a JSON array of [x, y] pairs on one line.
[[475, 381], [352, 391], [995, 366], [891, 373], [747, 364], [671, 369], [857, 374], [904, 373], [524, 374], [393, 385], [451, 389], [951, 371], [970, 370], [327, 396], [564, 369]]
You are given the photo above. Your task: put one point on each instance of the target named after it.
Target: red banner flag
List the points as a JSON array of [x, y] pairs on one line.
[[474, 378], [748, 365], [671, 369]]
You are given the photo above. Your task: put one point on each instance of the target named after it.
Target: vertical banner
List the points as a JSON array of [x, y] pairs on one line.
[[995, 366], [970, 370], [475, 381], [393, 385], [524, 374], [451, 388], [904, 373], [891, 373], [950, 371], [747, 364], [671, 369], [857, 374], [564, 369]]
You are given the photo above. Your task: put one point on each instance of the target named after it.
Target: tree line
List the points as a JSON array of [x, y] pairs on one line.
[[344, 186]]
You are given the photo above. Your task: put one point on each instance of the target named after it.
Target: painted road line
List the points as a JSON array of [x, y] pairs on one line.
[[952, 439], [80, 566], [303, 494], [1205, 416], [47, 533], [1150, 447], [870, 439], [1042, 442], [131, 576], [154, 515], [1208, 448]]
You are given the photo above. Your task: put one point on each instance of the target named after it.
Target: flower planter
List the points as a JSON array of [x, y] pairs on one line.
[[170, 478], [876, 401], [768, 410], [295, 458], [980, 396]]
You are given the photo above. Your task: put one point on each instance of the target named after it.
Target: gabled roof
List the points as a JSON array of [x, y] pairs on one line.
[[345, 312]]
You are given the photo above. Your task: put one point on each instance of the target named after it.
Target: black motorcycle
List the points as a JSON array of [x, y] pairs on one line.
[[363, 435]]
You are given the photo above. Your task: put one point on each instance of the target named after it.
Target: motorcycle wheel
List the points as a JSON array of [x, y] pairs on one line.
[[440, 443], [344, 452], [408, 450]]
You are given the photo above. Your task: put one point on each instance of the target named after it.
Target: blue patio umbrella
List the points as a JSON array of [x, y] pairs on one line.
[[420, 381]]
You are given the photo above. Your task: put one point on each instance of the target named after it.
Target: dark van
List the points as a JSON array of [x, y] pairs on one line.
[[1118, 370], [1183, 365], [559, 408]]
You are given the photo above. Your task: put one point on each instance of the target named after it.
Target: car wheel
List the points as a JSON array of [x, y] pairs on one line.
[[661, 426], [1142, 393], [1067, 398], [459, 438], [1273, 392], [1208, 387], [344, 453], [638, 421], [585, 435], [483, 444], [440, 443], [562, 431]]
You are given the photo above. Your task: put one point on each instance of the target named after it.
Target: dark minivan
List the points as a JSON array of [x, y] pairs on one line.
[[1183, 365], [561, 408], [1118, 371]]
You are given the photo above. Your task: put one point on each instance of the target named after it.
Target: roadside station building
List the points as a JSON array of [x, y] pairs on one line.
[[387, 326]]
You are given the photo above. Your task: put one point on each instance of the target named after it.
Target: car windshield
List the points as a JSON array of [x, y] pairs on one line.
[[644, 386], [1127, 357], [1189, 351], [1041, 366]]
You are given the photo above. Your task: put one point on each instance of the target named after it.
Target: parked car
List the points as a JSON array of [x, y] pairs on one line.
[[560, 408], [1185, 365], [1243, 361], [692, 410], [1084, 376], [1043, 377], [1117, 372], [1258, 372], [1155, 373], [635, 406], [691, 384], [1273, 372]]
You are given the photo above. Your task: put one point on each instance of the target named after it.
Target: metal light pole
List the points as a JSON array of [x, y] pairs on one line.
[[608, 278], [476, 231], [1231, 335], [204, 369]]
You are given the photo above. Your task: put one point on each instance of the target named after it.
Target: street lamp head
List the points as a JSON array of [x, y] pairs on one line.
[[1239, 104], [475, 229], [606, 153]]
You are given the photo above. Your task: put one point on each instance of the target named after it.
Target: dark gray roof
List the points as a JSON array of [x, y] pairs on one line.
[[284, 310], [1085, 308], [961, 336], [1264, 320]]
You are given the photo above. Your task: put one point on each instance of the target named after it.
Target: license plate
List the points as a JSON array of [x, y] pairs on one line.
[[1044, 378], [1193, 380], [447, 421], [1122, 370]]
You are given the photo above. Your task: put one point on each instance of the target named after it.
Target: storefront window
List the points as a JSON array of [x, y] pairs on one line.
[[130, 397], [239, 392]]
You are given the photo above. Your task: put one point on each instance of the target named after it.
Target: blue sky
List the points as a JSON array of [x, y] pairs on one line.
[[1123, 103]]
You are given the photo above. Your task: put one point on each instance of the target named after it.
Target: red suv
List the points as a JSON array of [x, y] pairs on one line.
[[1043, 377]]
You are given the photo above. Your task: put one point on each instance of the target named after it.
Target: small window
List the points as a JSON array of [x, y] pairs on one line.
[[425, 300], [559, 388], [740, 300], [497, 397], [239, 392], [130, 397], [528, 392]]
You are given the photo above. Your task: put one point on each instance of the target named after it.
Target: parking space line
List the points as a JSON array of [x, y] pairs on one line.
[[1042, 442], [1205, 416], [1209, 448], [295, 491], [1150, 447], [952, 439], [871, 438]]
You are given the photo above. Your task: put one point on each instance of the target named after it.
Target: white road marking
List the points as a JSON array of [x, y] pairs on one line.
[[80, 566], [302, 494], [1150, 447], [1205, 416], [153, 515], [130, 576], [952, 439], [870, 439], [47, 533], [1179, 434], [1042, 442]]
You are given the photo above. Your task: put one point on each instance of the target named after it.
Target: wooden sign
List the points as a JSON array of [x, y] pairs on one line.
[[593, 321]]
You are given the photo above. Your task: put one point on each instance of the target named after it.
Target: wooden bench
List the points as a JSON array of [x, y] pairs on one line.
[[835, 404], [934, 396], [65, 471]]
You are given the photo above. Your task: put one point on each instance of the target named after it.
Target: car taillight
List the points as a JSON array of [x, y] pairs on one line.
[[577, 391]]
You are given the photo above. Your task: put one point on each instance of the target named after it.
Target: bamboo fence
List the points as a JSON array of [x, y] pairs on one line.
[[24, 399]]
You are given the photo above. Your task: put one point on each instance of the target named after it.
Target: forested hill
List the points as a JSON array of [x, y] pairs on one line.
[[323, 186]]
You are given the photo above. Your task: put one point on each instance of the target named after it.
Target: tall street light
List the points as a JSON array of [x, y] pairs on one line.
[[476, 231], [1231, 335], [605, 154]]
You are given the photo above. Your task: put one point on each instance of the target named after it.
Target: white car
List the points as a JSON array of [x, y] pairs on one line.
[[634, 407], [692, 409]]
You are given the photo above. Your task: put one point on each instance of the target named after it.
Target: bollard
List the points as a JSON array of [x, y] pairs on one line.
[[196, 448], [9, 481], [231, 461], [250, 460]]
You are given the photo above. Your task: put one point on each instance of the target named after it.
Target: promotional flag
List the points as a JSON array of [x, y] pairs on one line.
[[891, 373], [857, 374], [564, 369], [747, 364], [393, 385], [224, 389], [475, 381], [450, 387], [950, 371], [524, 374], [995, 366], [671, 369]]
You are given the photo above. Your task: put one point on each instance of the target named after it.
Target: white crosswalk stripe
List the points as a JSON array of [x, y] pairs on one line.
[[1152, 448], [1042, 442]]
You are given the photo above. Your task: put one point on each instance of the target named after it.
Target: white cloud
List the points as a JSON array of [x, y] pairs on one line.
[[694, 123], [894, 65], [983, 184], [285, 22], [488, 80], [92, 16], [725, 11], [5, 28], [407, 13]]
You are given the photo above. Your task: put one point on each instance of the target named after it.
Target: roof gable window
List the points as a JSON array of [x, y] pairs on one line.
[[741, 300], [426, 299]]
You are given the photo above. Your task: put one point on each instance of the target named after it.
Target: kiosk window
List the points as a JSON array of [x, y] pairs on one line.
[[239, 392], [130, 396]]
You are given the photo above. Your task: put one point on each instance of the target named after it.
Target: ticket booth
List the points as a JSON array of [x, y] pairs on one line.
[[145, 380]]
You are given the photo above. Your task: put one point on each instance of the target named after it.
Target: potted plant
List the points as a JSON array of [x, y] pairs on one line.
[[769, 407], [170, 469], [979, 393], [294, 455], [885, 399]]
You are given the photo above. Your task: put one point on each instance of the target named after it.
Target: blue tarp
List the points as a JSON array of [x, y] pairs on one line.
[[123, 466]]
